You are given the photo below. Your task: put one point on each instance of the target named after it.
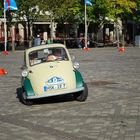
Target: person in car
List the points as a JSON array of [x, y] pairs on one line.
[[55, 56]]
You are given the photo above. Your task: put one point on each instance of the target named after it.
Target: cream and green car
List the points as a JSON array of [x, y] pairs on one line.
[[48, 70]]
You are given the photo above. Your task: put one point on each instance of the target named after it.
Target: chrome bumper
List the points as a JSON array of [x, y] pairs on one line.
[[55, 94]]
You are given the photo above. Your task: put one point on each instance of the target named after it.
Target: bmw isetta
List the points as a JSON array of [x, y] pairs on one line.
[[49, 70]]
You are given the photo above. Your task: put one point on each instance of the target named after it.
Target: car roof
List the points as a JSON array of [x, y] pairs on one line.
[[56, 45]]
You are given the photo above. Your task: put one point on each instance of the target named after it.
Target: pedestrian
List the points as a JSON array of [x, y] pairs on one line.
[[38, 40], [79, 41]]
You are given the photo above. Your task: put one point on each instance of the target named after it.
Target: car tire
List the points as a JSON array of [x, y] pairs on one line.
[[82, 95], [23, 98]]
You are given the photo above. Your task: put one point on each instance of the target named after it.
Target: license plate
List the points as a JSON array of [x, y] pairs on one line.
[[57, 86]]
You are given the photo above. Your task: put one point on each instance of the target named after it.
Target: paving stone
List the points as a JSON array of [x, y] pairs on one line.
[[111, 111]]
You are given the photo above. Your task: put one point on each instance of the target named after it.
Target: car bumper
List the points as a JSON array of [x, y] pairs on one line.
[[55, 94]]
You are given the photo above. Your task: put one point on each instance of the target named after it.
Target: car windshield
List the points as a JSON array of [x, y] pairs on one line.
[[47, 55]]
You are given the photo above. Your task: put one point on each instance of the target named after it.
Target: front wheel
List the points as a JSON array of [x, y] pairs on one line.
[[23, 98], [82, 95]]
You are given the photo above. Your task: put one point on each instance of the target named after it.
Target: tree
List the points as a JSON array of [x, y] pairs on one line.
[[106, 11], [1, 8], [72, 11], [122, 9], [69, 12], [64, 11], [27, 13], [101, 12], [136, 10]]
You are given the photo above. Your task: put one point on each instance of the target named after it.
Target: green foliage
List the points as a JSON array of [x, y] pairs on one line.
[[27, 10], [72, 11], [112, 9], [1, 8], [64, 10], [136, 15]]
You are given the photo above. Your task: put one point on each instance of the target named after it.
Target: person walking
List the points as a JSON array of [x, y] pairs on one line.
[[80, 44]]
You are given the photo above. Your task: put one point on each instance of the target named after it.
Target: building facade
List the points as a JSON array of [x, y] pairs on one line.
[[47, 30]]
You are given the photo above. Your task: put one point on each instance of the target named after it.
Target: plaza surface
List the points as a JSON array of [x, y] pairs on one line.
[[111, 111]]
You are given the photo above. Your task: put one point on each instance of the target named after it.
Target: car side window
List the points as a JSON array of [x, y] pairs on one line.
[[33, 58]]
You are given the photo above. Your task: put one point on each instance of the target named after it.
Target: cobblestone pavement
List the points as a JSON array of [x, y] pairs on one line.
[[111, 112]]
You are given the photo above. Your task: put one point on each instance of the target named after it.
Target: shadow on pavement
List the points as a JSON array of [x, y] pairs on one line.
[[48, 100]]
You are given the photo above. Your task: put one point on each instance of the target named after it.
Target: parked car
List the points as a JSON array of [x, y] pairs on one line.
[[48, 70]]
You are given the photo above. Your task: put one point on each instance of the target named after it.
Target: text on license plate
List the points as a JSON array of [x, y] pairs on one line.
[[58, 86]]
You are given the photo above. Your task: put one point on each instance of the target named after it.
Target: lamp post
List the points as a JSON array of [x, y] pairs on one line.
[[51, 28], [5, 32], [85, 25], [117, 28]]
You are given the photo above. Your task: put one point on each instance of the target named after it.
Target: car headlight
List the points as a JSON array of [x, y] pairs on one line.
[[24, 73], [76, 65]]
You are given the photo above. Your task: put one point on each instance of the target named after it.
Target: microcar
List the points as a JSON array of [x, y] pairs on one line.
[[49, 70]]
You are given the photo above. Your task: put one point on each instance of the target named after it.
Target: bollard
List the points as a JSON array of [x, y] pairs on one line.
[[86, 49], [5, 52], [121, 49], [2, 72]]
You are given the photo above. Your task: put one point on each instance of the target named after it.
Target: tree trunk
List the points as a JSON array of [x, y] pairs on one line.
[[29, 34]]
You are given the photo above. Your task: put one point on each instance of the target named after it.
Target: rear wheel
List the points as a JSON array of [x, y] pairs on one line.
[[82, 95], [23, 98]]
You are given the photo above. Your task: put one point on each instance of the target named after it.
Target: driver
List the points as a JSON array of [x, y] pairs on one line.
[[56, 55]]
